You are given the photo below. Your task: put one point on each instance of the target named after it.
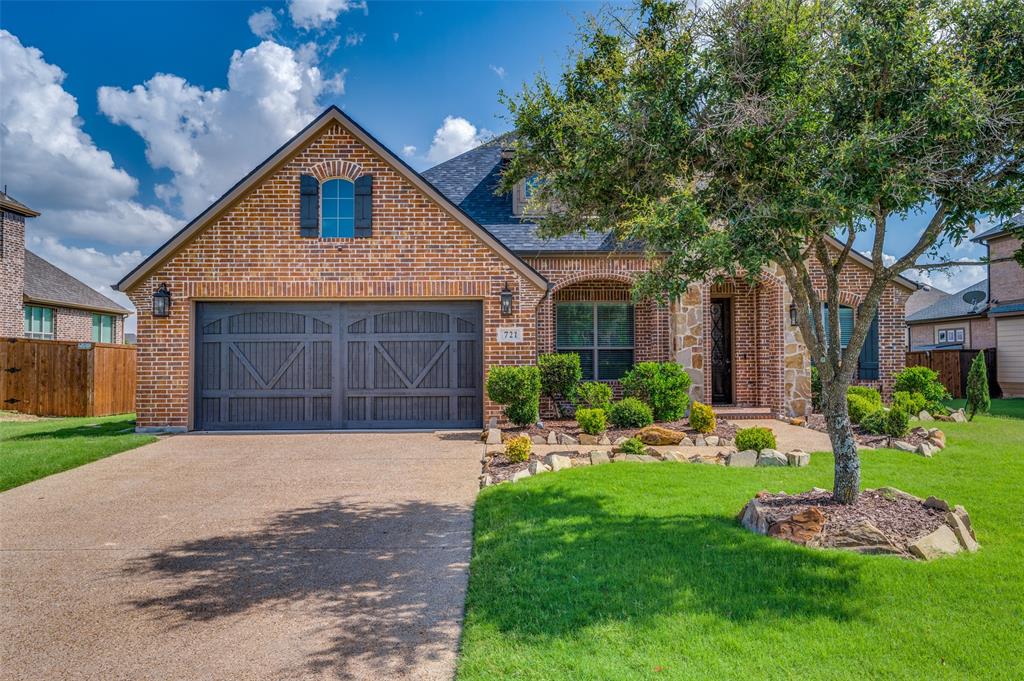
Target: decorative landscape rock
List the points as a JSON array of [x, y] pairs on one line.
[[937, 438], [493, 436], [800, 528], [520, 475], [588, 439], [558, 461], [798, 457], [566, 439], [659, 435], [686, 442], [771, 457], [641, 458], [674, 456], [712, 440], [599, 457], [961, 531], [924, 416], [537, 467], [863, 537], [936, 503], [959, 416], [927, 449], [486, 480], [619, 440], [904, 446], [865, 448], [552, 438], [941, 542], [699, 441], [894, 493], [961, 513], [754, 516], [538, 440], [745, 459], [604, 440]]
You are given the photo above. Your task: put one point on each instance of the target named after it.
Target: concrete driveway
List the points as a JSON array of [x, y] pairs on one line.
[[300, 556]]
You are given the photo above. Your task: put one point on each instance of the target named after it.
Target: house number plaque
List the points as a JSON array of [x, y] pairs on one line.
[[510, 334]]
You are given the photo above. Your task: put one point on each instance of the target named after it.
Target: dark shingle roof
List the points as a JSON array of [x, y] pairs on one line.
[[47, 283], [15, 206], [953, 305], [1016, 221], [470, 180]]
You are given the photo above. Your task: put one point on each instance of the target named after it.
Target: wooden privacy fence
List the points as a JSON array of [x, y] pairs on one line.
[[65, 378], [953, 366]]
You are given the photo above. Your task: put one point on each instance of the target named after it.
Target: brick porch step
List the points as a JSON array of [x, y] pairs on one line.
[[743, 413]]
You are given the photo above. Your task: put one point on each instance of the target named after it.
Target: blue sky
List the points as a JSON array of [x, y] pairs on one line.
[[123, 120]]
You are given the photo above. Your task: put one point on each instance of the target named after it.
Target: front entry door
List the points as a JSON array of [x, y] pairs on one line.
[[721, 351]]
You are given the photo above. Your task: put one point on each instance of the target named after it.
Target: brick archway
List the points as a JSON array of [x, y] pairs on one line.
[[325, 170], [584, 277]]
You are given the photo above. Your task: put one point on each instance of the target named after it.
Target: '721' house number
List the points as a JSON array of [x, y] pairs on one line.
[[510, 334]]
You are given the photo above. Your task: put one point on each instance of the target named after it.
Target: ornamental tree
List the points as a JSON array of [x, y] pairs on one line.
[[737, 134]]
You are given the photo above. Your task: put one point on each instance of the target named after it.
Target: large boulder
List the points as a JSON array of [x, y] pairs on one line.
[[800, 528], [959, 416], [772, 457], [745, 459], [962, 533], [941, 542], [659, 435], [754, 517], [558, 461], [493, 436], [862, 537]]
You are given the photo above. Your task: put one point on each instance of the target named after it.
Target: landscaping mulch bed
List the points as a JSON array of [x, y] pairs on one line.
[[915, 436], [901, 519], [501, 469], [570, 427]]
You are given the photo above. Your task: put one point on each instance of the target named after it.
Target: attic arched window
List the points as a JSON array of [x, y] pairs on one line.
[[337, 208]]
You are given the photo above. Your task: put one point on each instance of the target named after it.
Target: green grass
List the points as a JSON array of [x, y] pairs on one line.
[[30, 450], [1014, 408], [640, 571]]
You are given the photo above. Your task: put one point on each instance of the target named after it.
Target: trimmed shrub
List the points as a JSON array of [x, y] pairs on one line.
[[977, 388], [517, 450], [592, 421], [633, 446], [630, 413], [756, 438], [874, 422], [912, 403], [893, 422], [815, 389], [869, 394], [858, 407], [518, 388], [702, 418], [560, 374], [594, 395], [924, 381], [663, 385]]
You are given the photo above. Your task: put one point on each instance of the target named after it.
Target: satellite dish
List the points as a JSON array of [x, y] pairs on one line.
[[973, 298]]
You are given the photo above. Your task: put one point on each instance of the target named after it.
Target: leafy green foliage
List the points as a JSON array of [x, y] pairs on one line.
[[560, 375], [662, 385], [630, 412], [859, 406], [756, 438], [594, 395], [924, 381], [633, 446], [517, 449], [870, 394], [518, 388], [815, 389], [912, 403], [592, 421], [978, 400], [894, 422], [702, 418]]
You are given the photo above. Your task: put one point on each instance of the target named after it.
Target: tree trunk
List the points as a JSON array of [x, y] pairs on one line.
[[846, 485]]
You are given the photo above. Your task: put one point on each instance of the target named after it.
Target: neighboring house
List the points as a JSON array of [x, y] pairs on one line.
[[335, 287], [952, 323], [1006, 303], [41, 301]]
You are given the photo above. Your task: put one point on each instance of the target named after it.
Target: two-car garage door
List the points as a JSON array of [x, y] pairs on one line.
[[338, 365]]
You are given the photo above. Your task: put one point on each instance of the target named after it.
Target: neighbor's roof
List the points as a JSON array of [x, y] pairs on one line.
[[953, 306], [924, 297], [15, 206], [45, 283], [1016, 221], [331, 115]]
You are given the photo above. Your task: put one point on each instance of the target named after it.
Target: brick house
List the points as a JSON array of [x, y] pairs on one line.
[[39, 300], [336, 287]]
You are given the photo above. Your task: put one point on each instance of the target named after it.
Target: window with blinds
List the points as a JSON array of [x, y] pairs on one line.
[[38, 322], [600, 333], [102, 328]]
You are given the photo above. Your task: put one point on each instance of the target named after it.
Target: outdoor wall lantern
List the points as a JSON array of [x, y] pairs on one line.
[[793, 321], [506, 301], [162, 301]]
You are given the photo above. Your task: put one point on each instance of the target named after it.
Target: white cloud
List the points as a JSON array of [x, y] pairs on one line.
[[409, 150], [263, 23], [210, 138], [317, 14], [455, 136], [353, 39], [499, 71]]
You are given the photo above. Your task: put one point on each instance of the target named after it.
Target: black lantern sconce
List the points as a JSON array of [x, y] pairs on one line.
[[162, 301], [793, 321], [506, 301]]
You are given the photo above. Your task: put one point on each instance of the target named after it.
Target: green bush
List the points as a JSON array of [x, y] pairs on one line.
[[560, 374], [592, 421], [633, 446], [859, 406], [663, 385], [894, 422], [977, 388], [702, 418], [518, 388], [870, 394], [594, 395], [912, 403], [630, 413], [815, 389], [518, 449], [874, 422], [756, 438], [924, 381]]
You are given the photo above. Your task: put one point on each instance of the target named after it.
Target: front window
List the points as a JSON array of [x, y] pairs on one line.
[[38, 322], [600, 333], [102, 328], [846, 320], [338, 209]]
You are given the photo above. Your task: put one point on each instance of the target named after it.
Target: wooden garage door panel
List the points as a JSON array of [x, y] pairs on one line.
[[338, 365]]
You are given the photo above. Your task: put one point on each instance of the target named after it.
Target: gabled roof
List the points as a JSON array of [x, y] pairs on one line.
[[13, 205], [1014, 222], [924, 297], [953, 306], [331, 115], [48, 284]]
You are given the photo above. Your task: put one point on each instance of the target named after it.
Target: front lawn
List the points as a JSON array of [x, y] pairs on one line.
[[30, 450], [640, 571], [1014, 407]]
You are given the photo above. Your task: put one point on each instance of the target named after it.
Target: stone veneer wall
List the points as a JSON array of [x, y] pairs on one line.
[[12, 274]]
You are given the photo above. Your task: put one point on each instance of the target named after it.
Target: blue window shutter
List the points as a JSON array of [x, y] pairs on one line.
[[867, 364], [309, 206], [364, 205]]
